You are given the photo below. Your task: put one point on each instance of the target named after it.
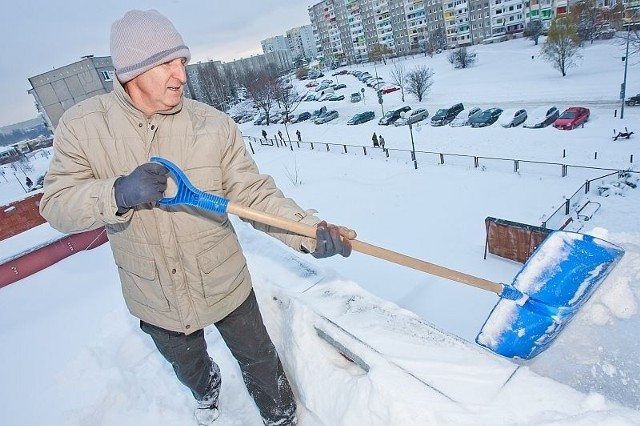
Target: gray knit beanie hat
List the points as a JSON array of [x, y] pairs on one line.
[[143, 39]]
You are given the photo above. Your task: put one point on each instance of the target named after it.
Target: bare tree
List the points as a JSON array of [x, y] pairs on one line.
[[562, 47], [419, 81], [379, 52], [462, 58], [533, 30], [262, 87], [437, 41], [587, 18], [288, 99], [302, 73], [399, 76], [214, 88]]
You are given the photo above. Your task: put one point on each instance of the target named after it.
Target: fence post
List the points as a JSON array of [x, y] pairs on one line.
[[564, 170], [386, 152], [345, 148], [515, 166], [631, 159], [441, 158], [476, 163], [364, 148], [587, 186], [311, 145], [567, 206], [253, 152], [327, 147]]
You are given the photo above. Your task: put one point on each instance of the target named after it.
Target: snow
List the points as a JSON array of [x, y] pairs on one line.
[[73, 355]]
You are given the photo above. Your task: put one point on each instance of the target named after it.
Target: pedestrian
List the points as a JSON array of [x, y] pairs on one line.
[[374, 138], [299, 135], [180, 270], [381, 141], [29, 182], [264, 134]]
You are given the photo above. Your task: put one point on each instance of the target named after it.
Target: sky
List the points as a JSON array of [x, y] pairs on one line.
[[41, 35], [413, 332]]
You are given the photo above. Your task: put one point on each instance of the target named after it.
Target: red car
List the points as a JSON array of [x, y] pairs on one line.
[[312, 84], [571, 118], [388, 89]]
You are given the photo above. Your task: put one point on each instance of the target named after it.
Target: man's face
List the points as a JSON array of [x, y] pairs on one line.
[[160, 88]]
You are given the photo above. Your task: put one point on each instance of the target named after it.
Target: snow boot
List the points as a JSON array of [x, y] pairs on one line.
[[206, 414]]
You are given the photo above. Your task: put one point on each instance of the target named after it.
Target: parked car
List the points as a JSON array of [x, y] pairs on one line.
[[317, 113], [356, 97], [486, 118], [571, 118], [334, 97], [339, 86], [362, 117], [513, 118], [463, 119], [634, 100], [542, 117], [311, 97], [303, 116], [391, 116], [311, 84], [388, 89], [446, 115], [285, 118], [322, 87], [326, 117], [260, 119], [412, 117]]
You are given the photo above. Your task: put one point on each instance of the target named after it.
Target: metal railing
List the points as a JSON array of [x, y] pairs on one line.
[[556, 220]]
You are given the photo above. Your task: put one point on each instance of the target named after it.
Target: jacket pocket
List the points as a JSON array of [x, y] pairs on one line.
[[222, 269], [140, 282]]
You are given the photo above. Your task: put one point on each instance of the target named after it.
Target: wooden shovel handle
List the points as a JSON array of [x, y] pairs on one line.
[[366, 248]]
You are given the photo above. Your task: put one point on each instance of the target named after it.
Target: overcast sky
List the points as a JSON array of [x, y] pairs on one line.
[[40, 35]]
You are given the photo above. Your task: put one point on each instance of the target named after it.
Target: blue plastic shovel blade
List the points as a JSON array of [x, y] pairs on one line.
[[558, 279]]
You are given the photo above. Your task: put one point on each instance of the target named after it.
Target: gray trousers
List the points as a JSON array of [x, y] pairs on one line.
[[246, 336]]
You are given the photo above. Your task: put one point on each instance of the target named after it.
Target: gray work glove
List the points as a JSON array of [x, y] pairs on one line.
[[145, 184], [332, 240]]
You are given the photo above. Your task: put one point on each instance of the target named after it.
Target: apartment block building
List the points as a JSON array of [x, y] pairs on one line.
[[275, 43], [58, 90], [302, 42], [346, 30]]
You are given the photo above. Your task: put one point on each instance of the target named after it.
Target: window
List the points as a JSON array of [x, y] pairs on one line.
[[107, 75]]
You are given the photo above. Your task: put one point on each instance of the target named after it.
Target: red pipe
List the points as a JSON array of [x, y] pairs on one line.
[[37, 259]]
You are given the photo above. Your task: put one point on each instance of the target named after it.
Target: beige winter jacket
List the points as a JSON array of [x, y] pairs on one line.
[[181, 268]]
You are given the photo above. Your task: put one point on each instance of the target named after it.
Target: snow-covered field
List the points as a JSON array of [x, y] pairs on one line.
[[70, 345]]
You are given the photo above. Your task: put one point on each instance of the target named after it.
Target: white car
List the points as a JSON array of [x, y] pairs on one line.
[[463, 119], [412, 117]]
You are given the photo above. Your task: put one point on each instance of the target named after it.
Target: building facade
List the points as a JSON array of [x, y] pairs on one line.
[[347, 30], [302, 42], [58, 90], [274, 44]]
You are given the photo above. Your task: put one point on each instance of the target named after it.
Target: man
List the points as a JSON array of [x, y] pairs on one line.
[[299, 135], [181, 269]]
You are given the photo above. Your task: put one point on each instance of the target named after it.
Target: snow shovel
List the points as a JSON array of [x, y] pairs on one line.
[[554, 283]]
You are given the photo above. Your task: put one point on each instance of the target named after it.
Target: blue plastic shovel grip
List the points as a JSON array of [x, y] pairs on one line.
[[189, 194]]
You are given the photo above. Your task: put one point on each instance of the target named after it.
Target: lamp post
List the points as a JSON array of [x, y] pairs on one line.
[[624, 81], [413, 146]]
